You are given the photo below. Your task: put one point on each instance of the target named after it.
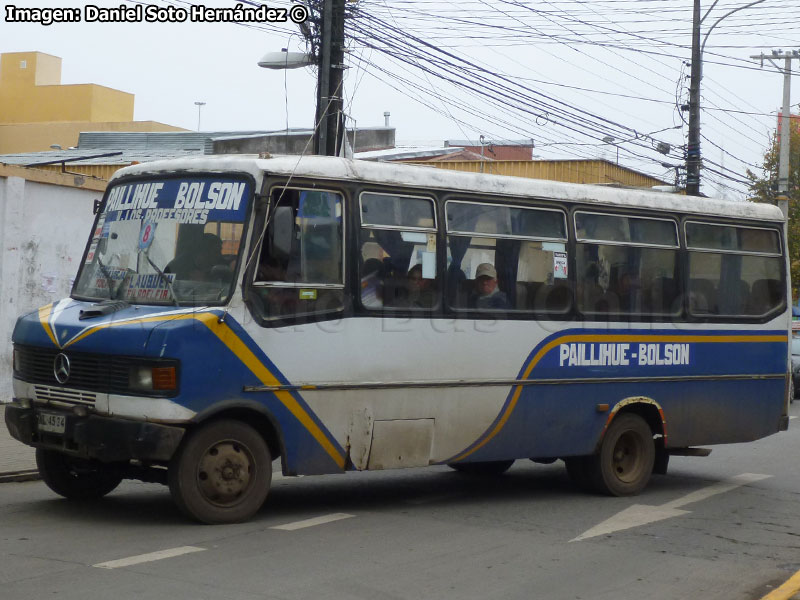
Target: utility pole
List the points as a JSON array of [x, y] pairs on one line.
[[783, 163], [330, 123], [693, 158]]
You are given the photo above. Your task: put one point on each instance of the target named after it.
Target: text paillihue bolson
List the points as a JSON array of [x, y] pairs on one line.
[[151, 13]]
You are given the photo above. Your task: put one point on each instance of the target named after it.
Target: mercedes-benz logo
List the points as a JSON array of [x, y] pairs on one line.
[[61, 368]]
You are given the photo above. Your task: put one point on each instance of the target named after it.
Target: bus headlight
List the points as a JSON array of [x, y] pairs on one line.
[[153, 378]]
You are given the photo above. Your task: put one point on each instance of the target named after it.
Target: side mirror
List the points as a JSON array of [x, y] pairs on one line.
[[96, 206]]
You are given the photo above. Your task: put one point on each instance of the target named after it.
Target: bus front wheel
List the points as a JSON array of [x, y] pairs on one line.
[[76, 478], [221, 473], [625, 461]]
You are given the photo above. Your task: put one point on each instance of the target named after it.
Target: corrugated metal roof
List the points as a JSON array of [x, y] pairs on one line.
[[79, 157], [488, 142], [189, 141], [405, 153]]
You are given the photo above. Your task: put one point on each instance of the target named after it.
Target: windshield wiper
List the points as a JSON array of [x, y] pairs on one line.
[[165, 279], [109, 281]]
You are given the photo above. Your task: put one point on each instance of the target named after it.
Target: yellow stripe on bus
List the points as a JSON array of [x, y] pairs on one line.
[[619, 338], [240, 349], [97, 328], [44, 319], [243, 353]]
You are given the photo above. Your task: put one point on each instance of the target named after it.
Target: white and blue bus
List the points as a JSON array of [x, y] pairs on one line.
[[342, 315]]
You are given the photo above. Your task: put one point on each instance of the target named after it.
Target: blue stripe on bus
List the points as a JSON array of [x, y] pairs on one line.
[[720, 352]]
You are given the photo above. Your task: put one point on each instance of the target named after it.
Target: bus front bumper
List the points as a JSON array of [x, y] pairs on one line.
[[107, 439]]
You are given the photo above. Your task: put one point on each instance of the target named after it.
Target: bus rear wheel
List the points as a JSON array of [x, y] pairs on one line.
[[493, 467], [221, 473], [76, 478], [625, 461]]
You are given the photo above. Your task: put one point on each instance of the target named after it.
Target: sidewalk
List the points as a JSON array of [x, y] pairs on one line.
[[17, 460]]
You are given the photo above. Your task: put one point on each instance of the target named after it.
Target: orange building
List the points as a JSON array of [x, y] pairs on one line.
[[37, 111]]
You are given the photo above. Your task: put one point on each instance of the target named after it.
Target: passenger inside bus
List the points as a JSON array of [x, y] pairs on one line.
[[486, 294], [202, 261], [419, 292]]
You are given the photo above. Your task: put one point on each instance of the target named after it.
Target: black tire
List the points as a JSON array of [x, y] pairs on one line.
[[661, 462], [221, 473], [494, 467], [625, 461], [578, 471], [76, 478]]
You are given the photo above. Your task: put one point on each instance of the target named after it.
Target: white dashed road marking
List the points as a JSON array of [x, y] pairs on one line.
[[313, 522], [149, 557]]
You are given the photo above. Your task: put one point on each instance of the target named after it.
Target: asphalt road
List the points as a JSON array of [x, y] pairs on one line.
[[706, 530]]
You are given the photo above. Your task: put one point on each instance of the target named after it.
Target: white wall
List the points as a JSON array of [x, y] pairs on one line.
[[43, 232]]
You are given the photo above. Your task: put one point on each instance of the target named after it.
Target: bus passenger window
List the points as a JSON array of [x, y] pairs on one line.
[[734, 271], [506, 258], [397, 259], [300, 267], [626, 265]]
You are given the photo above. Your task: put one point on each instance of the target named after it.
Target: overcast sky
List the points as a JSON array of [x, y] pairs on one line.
[[566, 71]]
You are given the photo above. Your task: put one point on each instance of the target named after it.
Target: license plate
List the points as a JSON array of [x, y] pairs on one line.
[[52, 423]]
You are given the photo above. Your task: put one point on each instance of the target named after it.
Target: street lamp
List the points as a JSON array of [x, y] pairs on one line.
[[199, 106], [693, 157], [285, 60]]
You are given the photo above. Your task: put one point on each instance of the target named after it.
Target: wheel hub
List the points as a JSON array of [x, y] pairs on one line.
[[627, 457], [224, 473]]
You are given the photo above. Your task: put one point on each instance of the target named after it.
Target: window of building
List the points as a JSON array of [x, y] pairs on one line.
[[734, 271], [301, 263], [506, 258], [626, 265], [397, 258]]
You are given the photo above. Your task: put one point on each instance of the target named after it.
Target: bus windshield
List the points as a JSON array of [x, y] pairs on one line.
[[167, 241]]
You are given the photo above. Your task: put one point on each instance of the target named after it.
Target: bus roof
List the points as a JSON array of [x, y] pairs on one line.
[[412, 176]]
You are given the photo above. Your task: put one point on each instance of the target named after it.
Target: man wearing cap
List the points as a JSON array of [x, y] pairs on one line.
[[486, 294]]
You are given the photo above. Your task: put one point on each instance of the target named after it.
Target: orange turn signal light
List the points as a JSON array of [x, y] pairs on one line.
[[164, 378]]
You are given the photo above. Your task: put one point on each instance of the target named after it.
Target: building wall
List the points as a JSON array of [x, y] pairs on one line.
[[571, 171], [45, 220], [299, 142], [35, 137], [31, 92], [53, 103], [37, 111], [27, 69], [496, 152]]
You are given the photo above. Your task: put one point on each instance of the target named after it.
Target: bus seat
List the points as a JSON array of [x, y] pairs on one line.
[[661, 296], [527, 292], [765, 295], [702, 296], [552, 298], [736, 302]]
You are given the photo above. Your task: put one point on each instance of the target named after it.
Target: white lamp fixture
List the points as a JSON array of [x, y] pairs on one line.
[[285, 60]]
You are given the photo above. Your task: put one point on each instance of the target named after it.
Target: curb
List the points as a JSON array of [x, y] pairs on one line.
[[20, 476], [787, 591]]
